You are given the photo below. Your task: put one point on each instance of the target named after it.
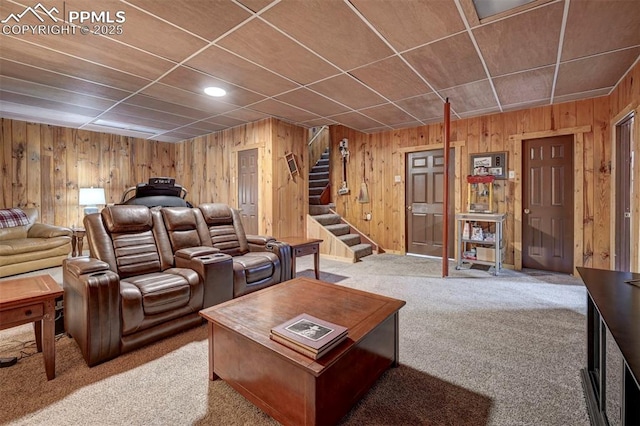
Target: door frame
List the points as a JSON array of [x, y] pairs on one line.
[[578, 190], [457, 184], [634, 254]]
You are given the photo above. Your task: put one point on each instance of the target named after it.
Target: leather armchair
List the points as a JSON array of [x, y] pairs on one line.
[[129, 293], [259, 261]]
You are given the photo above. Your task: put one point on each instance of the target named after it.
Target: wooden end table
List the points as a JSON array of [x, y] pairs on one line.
[[32, 299], [77, 240], [301, 246]]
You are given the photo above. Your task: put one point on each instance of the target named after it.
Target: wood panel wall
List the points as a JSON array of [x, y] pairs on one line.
[[380, 159], [208, 166], [43, 166]]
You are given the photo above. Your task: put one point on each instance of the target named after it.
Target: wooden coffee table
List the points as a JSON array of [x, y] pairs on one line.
[[291, 388], [32, 299]]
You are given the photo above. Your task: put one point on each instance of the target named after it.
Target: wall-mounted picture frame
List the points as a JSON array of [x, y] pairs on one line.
[[292, 164], [489, 163]]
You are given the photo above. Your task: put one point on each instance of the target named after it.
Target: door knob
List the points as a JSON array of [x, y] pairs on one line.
[[527, 211], [409, 208]]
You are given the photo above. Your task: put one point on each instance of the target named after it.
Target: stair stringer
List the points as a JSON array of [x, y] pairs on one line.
[[331, 246]]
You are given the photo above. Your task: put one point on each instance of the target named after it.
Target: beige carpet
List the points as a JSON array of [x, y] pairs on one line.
[[475, 350]]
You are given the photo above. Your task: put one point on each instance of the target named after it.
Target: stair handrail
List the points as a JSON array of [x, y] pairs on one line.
[[314, 137]]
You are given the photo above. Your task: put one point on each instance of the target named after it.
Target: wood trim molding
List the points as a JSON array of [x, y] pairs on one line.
[[550, 133], [578, 188], [634, 255]]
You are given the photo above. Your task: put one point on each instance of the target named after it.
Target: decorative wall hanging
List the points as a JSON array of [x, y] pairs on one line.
[[344, 151], [292, 164], [489, 163]]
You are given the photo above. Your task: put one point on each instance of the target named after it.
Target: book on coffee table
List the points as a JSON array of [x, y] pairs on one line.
[[309, 335]]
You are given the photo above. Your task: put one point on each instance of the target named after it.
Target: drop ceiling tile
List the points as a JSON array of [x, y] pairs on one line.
[[245, 114], [409, 23], [331, 29], [348, 91], [144, 31], [226, 66], [156, 104], [95, 49], [583, 95], [222, 120], [447, 63], [41, 57], [525, 86], [140, 112], [527, 40], [20, 99], [123, 120], [391, 78], [595, 72], [54, 80], [206, 18], [318, 122], [195, 81], [28, 88], [256, 5], [41, 115], [599, 26], [476, 113], [311, 101], [471, 97], [423, 107], [356, 121], [183, 97], [387, 114], [208, 126], [260, 43], [279, 109]]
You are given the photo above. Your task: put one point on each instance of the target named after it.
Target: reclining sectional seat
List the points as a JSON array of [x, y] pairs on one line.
[[259, 261], [128, 293]]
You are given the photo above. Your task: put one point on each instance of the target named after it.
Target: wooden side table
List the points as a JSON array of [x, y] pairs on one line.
[[301, 246], [77, 240], [32, 299]]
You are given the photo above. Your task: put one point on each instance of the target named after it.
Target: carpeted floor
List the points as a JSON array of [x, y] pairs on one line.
[[475, 349]]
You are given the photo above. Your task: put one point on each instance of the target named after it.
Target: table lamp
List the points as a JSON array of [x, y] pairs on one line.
[[91, 198]]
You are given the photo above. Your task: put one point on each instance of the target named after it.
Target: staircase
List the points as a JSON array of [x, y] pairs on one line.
[[340, 239]]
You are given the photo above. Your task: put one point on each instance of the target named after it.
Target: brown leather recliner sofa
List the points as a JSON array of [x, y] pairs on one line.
[[33, 245], [152, 270], [129, 292], [258, 261]]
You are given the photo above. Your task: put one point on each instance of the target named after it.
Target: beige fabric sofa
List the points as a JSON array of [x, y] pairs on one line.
[[34, 246]]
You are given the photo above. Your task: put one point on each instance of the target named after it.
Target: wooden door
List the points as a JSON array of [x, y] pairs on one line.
[[547, 219], [248, 189], [424, 194], [623, 196]]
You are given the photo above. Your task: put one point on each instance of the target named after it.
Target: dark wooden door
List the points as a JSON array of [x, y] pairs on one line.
[[623, 196], [547, 217], [424, 193], [248, 189]]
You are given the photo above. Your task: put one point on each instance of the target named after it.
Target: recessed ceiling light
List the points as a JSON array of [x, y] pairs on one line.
[[215, 91]]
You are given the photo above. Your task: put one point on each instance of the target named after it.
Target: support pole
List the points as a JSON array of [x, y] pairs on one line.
[[445, 198]]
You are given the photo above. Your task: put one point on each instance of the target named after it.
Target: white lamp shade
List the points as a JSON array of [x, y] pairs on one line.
[[91, 196]]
